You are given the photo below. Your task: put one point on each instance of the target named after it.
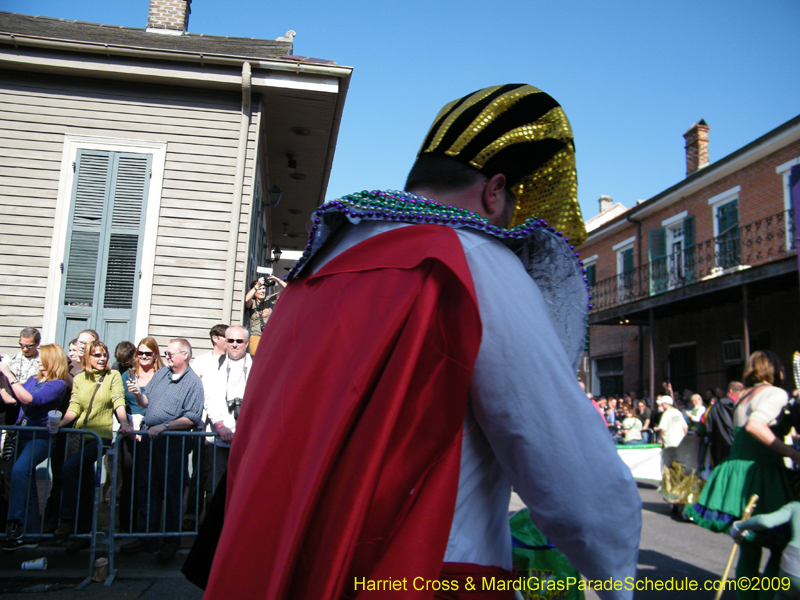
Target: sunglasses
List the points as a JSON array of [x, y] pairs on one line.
[[27, 346], [170, 354], [100, 355], [232, 341], [140, 353]]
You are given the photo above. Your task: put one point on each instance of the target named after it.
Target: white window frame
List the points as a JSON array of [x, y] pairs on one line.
[[784, 171], [69, 154], [624, 245], [619, 249], [672, 226], [717, 202], [591, 261]]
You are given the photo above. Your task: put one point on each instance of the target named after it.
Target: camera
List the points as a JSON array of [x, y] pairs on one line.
[[234, 406]]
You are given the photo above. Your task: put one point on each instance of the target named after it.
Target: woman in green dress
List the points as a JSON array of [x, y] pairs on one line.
[[755, 466]]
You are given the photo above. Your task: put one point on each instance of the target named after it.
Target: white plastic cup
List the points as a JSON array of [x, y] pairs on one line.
[[38, 564], [53, 419]]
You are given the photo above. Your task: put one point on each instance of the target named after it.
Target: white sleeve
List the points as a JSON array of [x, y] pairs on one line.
[[542, 428], [214, 396]]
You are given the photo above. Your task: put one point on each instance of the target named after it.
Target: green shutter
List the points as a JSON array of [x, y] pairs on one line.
[[103, 254], [91, 184], [728, 238], [657, 243], [688, 249], [591, 274]]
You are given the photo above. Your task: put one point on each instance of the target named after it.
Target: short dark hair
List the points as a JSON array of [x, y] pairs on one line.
[[124, 352], [218, 330], [31, 332], [440, 174]]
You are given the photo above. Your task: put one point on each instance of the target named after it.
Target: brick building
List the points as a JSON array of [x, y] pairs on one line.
[[688, 283]]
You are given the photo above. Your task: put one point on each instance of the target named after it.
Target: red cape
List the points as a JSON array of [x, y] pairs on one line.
[[346, 456]]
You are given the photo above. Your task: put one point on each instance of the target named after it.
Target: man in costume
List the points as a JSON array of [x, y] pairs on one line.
[[719, 423], [422, 360]]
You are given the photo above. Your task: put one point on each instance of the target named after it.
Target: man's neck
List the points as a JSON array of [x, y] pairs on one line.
[[218, 351], [176, 372]]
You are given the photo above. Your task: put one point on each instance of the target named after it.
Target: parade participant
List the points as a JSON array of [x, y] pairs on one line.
[[754, 466], [719, 423], [790, 560], [421, 361]]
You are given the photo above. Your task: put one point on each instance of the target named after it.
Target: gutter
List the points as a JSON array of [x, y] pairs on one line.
[[344, 84], [295, 65], [236, 208]]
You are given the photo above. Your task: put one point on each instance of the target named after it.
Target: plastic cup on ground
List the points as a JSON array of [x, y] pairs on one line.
[[38, 564]]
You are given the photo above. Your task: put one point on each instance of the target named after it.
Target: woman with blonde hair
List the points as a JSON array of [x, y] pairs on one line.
[[36, 397], [755, 466], [97, 395]]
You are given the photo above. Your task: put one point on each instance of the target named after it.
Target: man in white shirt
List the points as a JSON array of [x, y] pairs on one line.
[[210, 360], [672, 429], [411, 375], [224, 386]]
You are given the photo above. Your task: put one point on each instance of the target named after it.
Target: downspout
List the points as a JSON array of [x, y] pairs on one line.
[[236, 208], [639, 258]]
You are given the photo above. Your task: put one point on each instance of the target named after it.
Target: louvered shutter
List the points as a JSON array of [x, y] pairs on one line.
[[688, 249], [103, 253], [91, 189], [657, 242], [728, 239]]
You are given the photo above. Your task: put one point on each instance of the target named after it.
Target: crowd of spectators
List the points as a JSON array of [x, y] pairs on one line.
[[139, 398]]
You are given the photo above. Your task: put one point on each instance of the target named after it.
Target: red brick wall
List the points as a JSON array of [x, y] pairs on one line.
[[169, 14], [761, 196]]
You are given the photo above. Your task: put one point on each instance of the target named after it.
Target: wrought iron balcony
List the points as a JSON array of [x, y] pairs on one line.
[[750, 245]]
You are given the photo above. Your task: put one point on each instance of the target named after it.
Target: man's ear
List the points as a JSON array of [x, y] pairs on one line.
[[494, 196]]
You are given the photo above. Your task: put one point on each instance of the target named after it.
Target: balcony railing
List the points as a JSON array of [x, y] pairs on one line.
[[750, 245]]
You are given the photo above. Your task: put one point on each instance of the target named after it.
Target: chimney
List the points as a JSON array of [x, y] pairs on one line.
[[696, 147], [169, 16], [605, 204]]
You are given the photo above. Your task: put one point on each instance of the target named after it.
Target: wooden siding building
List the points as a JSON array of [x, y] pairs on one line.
[[135, 171]]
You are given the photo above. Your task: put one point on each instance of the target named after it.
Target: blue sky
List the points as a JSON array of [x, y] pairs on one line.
[[632, 76]]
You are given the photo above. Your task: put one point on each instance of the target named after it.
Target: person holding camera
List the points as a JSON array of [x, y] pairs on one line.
[[259, 307], [224, 390]]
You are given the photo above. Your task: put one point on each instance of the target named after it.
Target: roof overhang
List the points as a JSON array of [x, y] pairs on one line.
[[297, 94], [773, 141]]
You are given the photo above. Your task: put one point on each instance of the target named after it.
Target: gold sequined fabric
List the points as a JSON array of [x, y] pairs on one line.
[[522, 132]]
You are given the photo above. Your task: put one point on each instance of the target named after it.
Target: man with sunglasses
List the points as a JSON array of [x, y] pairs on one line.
[[224, 390], [174, 402], [23, 365]]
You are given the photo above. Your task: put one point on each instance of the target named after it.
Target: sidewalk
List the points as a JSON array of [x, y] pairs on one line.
[[138, 576]]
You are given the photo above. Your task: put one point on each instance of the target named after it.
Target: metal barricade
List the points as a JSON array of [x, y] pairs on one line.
[[54, 470], [155, 478], [204, 466]]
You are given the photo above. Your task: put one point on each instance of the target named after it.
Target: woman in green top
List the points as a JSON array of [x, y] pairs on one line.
[[97, 394]]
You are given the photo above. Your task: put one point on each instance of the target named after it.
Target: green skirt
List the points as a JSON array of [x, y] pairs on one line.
[[751, 468]]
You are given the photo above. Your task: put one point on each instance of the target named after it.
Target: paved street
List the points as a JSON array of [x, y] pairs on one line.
[[670, 548]]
